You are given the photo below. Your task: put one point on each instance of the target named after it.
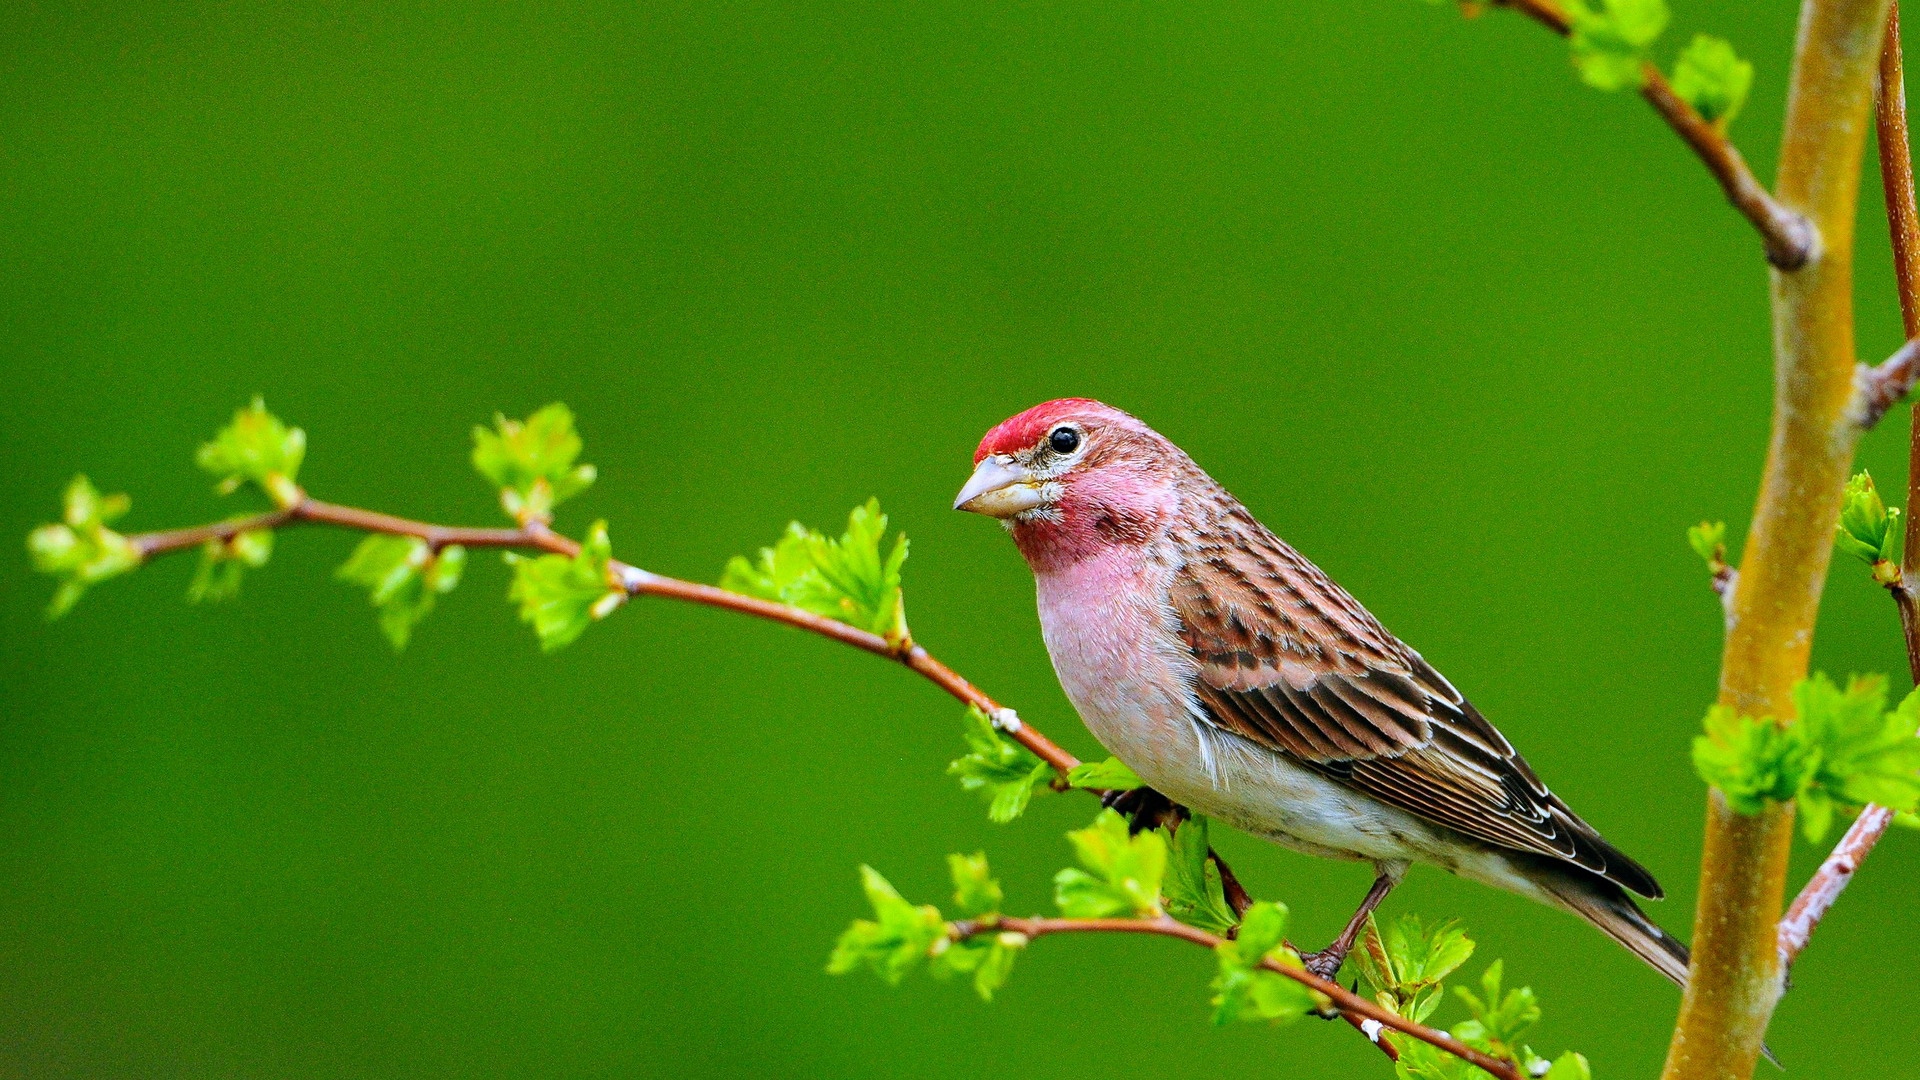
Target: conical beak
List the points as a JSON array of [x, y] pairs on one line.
[[999, 488]]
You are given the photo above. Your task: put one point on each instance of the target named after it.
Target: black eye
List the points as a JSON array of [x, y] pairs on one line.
[[1064, 440]]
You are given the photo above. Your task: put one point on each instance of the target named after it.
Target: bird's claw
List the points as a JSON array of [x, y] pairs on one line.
[[1325, 963], [1143, 807]]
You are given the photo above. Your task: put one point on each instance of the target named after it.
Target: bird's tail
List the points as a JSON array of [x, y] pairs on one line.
[[1608, 907]]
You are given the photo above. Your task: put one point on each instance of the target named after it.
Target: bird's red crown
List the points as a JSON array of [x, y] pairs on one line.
[[1018, 433]]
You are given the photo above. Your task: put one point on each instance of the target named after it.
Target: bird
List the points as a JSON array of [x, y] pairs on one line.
[[1241, 682]]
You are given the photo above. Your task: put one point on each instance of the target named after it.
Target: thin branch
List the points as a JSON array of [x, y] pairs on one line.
[[1896, 174], [1790, 238], [1357, 1009], [633, 580], [1879, 388], [1830, 880], [1903, 225]]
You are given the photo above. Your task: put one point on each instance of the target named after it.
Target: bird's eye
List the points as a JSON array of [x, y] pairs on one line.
[[1064, 440]]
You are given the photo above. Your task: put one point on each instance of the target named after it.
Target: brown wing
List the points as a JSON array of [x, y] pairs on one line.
[[1289, 660]]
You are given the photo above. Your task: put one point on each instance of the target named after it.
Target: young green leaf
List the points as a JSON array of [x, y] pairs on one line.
[[895, 940], [1498, 1020], [223, 562], [1750, 759], [1609, 43], [975, 892], [256, 447], [1002, 771], [1860, 752], [1709, 541], [1713, 79], [1192, 889], [1570, 1066], [559, 596], [1244, 989], [1407, 964], [1122, 873], [849, 579], [80, 551], [987, 957], [1109, 775], [531, 461], [1869, 530], [403, 576]]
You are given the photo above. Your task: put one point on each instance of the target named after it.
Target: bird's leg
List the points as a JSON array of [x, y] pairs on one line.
[[1326, 963], [1144, 808]]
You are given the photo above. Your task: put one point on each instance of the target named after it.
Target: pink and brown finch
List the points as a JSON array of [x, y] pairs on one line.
[[1238, 680]]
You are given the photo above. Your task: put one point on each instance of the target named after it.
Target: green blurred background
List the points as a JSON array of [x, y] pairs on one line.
[[1478, 339]]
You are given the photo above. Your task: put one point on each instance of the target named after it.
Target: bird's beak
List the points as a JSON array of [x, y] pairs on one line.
[[999, 488]]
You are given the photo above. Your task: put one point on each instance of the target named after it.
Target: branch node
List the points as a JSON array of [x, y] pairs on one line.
[[1877, 389]]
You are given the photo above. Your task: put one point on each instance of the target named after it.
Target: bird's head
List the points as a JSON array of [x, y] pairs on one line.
[[1072, 477]]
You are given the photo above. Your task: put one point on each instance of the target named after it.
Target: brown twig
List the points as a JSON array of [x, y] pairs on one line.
[[1790, 238], [1880, 387], [1356, 1009], [633, 580], [1903, 224], [1797, 926]]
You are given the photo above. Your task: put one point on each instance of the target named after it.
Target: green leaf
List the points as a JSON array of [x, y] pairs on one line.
[[1498, 1019], [892, 943], [560, 596], [403, 576], [975, 892], [1609, 44], [1570, 1066], [1408, 962], [849, 579], [1002, 771], [257, 447], [1709, 541], [1869, 530], [1109, 775], [994, 968], [223, 562], [1712, 79], [80, 551], [1245, 990], [531, 461], [1860, 752], [1121, 875], [1194, 893], [1750, 759]]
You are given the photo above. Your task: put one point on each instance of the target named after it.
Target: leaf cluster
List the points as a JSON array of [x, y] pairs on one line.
[[1119, 872], [1245, 988], [79, 550], [847, 579], [403, 575], [532, 462], [1846, 749], [1001, 770], [902, 935], [1869, 530], [1407, 967], [560, 596], [224, 561], [256, 447]]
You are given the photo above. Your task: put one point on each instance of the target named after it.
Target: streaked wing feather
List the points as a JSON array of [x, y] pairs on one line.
[[1289, 660]]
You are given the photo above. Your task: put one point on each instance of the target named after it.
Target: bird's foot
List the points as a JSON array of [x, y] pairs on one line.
[[1144, 808], [1325, 963]]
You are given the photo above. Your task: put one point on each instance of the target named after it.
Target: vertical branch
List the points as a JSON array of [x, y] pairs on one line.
[[1903, 227], [1736, 975]]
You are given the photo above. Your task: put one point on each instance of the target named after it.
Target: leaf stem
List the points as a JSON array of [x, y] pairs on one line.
[[1351, 1006]]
